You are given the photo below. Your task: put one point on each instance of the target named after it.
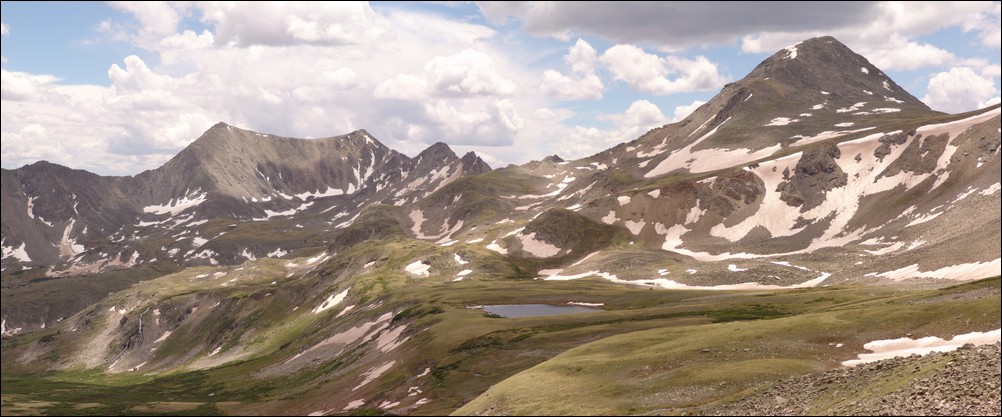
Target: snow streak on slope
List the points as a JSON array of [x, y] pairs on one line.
[[904, 347], [864, 168], [706, 160]]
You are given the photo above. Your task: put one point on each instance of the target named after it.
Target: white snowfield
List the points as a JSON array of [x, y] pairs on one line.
[[674, 285], [330, 192], [707, 160], [419, 268], [290, 212], [538, 248], [962, 272], [841, 204], [904, 347], [176, 206], [374, 373], [494, 246], [781, 121], [444, 235], [16, 253], [331, 301]]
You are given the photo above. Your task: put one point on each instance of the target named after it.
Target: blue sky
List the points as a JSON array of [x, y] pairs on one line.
[[117, 88]]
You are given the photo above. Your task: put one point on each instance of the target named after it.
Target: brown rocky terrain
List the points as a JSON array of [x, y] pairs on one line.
[[958, 383]]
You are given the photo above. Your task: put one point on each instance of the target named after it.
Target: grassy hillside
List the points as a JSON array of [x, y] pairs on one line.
[[649, 351]]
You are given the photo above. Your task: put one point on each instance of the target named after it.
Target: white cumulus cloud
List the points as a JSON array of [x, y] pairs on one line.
[[582, 83], [959, 90], [638, 118], [888, 36], [287, 23], [650, 73], [681, 112], [467, 73]]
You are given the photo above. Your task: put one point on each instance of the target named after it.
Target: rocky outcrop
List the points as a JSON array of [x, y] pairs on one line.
[[963, 382], [815, 174]]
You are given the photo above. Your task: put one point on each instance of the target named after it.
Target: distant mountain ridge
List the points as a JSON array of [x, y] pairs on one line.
[[226, 173], [815, 168]]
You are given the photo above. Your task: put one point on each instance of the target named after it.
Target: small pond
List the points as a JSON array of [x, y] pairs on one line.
[[514, 311]]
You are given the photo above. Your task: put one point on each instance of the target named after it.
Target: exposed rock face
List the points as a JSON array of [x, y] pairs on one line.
[[816, 173]]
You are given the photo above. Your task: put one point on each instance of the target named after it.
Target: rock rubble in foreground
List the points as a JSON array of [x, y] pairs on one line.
[[962, 382]]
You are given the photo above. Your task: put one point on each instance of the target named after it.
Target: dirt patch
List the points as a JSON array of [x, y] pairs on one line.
[[165, 407]]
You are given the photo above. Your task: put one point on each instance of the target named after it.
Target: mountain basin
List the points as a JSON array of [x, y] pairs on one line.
[[515, 311]]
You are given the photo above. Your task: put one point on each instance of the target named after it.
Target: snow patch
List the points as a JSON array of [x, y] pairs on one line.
[[353, 405], [991, 190], [497, 248], [707, 160], [277, 253], [246, 253], [610, 218], [852, 108], [163, 337], [331, 301], [176, 206], [69, 247], [792, 50], [635, 227], [846, 124], [781, 121], [372, 374], [319, 258], [923, 219], [734, 268], [538, 248], [905, 346], [17, 253], [787, 264], [673, 285], [345, 311], [864, 70], [884, 251], [390, 339], [962, 272], [419, 268], [290, 212], [330, 192]]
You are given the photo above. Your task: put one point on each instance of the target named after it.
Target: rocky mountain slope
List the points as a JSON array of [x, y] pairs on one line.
[[232, 195], [964, 382], [808, 209]]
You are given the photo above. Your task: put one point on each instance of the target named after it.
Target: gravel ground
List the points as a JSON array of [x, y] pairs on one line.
[[963, 382]]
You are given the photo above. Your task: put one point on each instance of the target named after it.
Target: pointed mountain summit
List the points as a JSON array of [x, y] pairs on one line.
[[242, 163], [815, 90], [78, 221], [824, 68]]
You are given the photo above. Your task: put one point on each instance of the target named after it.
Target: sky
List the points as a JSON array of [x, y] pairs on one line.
[[117, 88]]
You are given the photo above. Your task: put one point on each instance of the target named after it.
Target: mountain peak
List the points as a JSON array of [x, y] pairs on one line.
[[472, 164], [438, 150], [825, 66]]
